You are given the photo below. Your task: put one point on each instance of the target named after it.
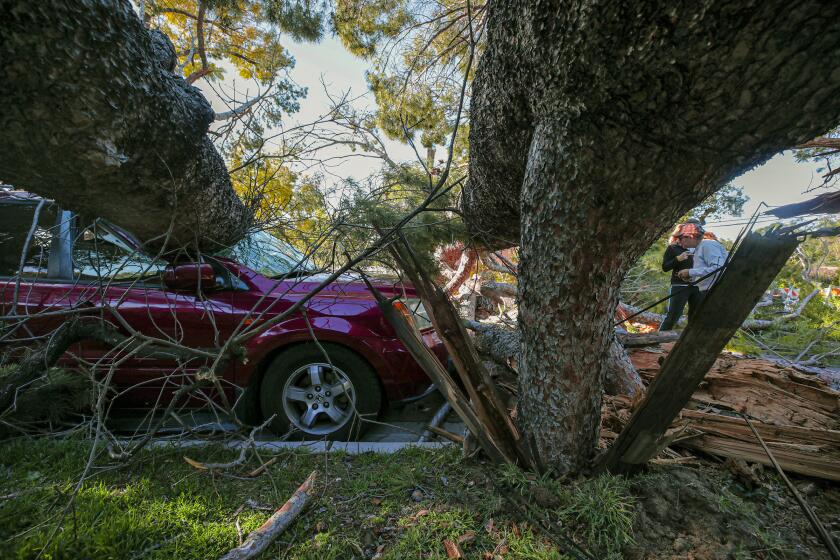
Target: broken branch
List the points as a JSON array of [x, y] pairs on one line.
[[261, 538]]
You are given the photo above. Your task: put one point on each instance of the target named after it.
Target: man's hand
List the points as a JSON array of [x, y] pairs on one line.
[[683, 256], [683, 274]]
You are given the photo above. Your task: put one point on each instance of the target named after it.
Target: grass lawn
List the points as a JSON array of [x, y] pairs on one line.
[[160, 507], [384, 506]]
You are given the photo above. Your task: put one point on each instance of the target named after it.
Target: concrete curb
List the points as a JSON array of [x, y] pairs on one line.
[[350, 447]]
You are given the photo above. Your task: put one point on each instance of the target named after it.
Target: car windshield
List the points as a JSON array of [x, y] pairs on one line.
[[269, 256]]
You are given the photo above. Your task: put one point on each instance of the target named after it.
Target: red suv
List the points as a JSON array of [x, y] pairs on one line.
[[317, 373]]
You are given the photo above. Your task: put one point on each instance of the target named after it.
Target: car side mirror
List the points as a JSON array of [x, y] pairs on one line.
[[190, 276]]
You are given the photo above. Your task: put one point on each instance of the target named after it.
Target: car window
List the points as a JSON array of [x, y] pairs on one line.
[[272, 257], [15, 222], [99, 254]]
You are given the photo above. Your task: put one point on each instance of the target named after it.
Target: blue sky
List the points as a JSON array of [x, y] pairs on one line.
[[782, 180]]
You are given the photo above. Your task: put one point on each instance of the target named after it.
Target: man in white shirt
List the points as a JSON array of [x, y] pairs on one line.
[[709, 256]]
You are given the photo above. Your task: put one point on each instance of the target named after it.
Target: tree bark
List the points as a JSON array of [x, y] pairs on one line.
[[594, 126], [568, 278], [94, 117], [621, 377]]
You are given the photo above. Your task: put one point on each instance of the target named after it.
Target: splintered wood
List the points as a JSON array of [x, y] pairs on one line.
[[796, 414]]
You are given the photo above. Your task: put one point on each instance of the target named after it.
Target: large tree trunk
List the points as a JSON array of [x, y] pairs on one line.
[[94, 117], [595, 125]]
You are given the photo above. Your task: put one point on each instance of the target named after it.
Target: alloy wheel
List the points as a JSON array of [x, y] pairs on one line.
[[319, 398]]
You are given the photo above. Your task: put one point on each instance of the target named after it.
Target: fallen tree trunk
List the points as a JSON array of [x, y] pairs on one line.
[[649, 318], [772, 393], [261, 538], [503, 342], [797, 450], [98, 121], [640, 340], [798, 415]]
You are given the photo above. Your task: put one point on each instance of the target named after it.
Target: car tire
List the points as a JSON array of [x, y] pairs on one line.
[[291, 392]]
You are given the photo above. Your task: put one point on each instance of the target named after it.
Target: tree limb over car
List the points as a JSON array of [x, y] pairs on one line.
[[100, 122]]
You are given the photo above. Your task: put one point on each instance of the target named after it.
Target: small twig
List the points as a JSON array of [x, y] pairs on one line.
[[459, 439], [819, 528], [249, 443], [238, 530], [24, 252], [262, 468]]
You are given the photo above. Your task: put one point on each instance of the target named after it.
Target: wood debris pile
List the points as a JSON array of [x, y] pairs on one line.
[[797, 414]]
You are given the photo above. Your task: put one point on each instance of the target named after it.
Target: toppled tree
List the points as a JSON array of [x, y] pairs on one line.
[[594, 126], [94, 116]]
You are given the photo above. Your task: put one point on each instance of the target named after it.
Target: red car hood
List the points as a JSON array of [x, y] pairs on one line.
[[348, 285]]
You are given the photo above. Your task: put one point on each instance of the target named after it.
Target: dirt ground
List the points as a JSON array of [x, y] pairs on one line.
[[709, 513]]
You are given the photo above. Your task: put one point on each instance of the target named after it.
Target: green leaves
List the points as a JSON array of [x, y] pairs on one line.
[[362, 25]]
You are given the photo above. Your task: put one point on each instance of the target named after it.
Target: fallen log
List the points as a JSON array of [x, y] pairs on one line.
[[261, 538], [805, 451], [649, 318], [132, 146], [640, 340], [797, 415], [772, 393]]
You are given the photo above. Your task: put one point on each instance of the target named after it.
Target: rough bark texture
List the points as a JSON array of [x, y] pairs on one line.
[[501, 345], [93, 117], [594, 126], [621, 377]]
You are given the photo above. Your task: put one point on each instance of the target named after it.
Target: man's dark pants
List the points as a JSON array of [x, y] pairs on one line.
[[680, 295]]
